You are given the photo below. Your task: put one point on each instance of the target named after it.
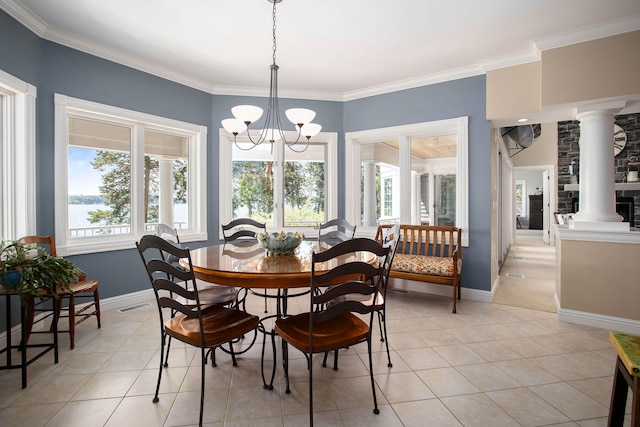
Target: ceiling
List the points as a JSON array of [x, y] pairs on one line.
[[326, 49]]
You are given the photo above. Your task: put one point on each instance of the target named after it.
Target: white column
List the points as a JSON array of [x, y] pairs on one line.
[[370, 219], [597, 195], [166, 192]]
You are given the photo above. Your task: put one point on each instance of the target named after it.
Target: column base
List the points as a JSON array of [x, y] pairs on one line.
[[577, 224]]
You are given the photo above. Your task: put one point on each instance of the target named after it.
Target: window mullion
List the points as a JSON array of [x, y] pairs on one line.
[[137, 180], [278, 184]]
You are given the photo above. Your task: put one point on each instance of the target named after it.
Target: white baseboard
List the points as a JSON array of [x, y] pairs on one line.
[[404, 285], [619, 324], [106, 304]]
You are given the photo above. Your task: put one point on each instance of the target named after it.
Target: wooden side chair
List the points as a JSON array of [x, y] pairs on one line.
[[66, 305], [192, 324], [626, 377], [336, 230], [333, 326]]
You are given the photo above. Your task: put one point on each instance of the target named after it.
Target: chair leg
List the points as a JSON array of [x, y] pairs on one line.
[[335, 359], [373, 384], [455, 297], [96, 300], [285, 363], [202, 373], [166, 357], [383, 330], [72, 320], [310, 360], [162, 363]]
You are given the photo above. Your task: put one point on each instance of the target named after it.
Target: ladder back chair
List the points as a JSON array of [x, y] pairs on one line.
[[65, 304], [333, 326], [336, 230], [191, 324], [210, 294]]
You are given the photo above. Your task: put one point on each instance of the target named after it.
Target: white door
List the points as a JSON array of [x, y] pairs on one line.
[[545, 206]]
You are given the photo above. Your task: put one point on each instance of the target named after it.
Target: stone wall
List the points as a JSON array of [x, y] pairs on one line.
[[569, 149]]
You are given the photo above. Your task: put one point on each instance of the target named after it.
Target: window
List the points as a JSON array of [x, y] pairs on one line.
[[388, 197], [520, 198], [119, 173], [424, 164], [285, 189], [17, 157]]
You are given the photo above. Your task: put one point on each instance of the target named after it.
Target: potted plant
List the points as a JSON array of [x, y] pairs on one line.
[[28, 270]]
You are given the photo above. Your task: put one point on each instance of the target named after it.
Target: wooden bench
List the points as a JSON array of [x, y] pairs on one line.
[[428, 254]]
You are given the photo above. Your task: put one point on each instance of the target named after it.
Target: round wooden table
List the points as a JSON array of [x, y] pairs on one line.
[[248, 265]]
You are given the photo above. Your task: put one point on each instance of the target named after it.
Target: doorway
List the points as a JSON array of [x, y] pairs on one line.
[[534, 199]]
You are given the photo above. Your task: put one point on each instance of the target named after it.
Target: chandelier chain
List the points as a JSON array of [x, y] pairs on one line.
[[274, 32]]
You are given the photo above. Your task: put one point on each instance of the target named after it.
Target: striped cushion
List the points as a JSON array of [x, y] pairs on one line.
[[429, 265]]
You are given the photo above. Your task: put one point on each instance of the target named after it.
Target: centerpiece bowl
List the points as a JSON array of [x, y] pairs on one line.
[[280, 243]]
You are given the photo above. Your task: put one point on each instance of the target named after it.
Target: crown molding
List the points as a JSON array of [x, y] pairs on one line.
[[455, 74], [27, 18], [532, 55], [608, 29]]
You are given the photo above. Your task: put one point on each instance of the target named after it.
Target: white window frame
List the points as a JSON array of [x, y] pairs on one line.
[[331, 178], [354, 140], [197, 135], [17, 157]]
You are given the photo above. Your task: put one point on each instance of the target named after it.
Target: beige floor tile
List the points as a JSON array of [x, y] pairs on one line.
[[29, 416], [570, 401], [86, 413], [403, 387], [107, 384], [54, 388], [141, 411], [186, 407], [487, 377], [446, 382], [416, 414], [478, 410], [493, 351], [422, 358], [526, 373], [354, 392], [563, 367], [145, 384], [364, 417], [459, 354], [253, 402], [527, 408]]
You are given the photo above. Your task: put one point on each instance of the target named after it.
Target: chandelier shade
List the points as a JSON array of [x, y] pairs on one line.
[[272, 131]]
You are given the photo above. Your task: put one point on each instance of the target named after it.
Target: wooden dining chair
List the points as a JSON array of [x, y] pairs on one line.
[[328, 327], [390, 238], [210, 294], [204, 328], [66, 299], [336, 230]]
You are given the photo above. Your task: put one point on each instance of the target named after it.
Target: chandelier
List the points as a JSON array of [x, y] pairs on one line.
[[245, 115]]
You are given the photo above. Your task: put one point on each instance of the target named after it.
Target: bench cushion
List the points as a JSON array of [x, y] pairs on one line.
[[420, 264]]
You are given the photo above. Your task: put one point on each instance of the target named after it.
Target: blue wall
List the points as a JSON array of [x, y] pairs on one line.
[[464, 97], [53, 68]]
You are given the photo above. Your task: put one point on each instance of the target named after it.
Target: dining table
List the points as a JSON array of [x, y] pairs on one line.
[[247, 264]]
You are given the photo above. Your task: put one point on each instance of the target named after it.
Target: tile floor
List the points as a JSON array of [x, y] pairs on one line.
[[488, 365]]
